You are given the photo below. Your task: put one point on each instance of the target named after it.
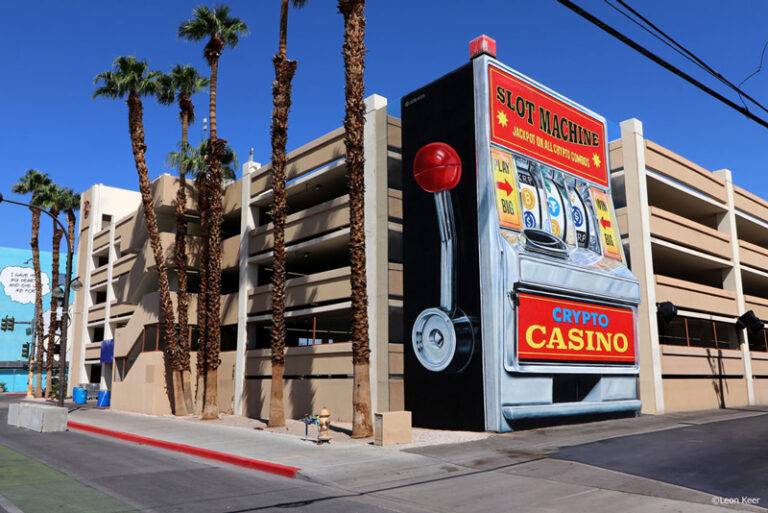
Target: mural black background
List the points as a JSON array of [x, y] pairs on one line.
[[442, 111]]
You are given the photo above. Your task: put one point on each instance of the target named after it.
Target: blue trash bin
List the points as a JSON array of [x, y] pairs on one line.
[[103, 399], [79, 395]]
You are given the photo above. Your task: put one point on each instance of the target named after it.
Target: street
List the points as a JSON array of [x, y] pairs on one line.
[[726, 458], [73, 472], [674, 463]]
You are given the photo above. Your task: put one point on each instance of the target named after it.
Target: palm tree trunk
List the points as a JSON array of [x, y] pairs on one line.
[[214, 49], [216, 148], [180, 254], [71, 223], [213, 270], [136, 128], [202, 295], [276, 401], [354, 121], [53, 322], [283, 43], [35, 244], [281, 99]]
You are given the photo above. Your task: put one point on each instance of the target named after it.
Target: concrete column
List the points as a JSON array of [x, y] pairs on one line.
[[106, 369], [376, 247], [83, 297], [732, 276], [111, 257], [246, 284], [639, 230]]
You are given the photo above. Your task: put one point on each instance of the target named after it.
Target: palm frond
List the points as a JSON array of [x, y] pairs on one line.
[[70, 200], [166, 88], [108, 88], [188, 80], [199, 26], [32, 182], [52, 197], [192, 160], [208, 24], [128, 75]]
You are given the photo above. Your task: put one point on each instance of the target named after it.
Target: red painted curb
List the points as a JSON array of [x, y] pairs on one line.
[[14, 394], [232, 459]]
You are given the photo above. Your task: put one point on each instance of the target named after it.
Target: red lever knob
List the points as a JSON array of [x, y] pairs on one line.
[[437, 167]]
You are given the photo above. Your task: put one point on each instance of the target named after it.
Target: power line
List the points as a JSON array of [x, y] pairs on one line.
[[651, 32], [681, 52], [661, 62], [694, 58], [759, 67]]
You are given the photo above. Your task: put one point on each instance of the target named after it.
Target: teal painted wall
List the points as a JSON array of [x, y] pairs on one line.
[[17, 299]]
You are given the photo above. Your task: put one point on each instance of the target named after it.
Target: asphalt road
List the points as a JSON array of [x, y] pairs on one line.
[[727, 458], [74, 472]]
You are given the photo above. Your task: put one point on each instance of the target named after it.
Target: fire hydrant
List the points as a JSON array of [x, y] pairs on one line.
[[324, 426]]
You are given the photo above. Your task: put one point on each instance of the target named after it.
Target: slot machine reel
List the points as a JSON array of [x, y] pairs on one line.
[[442, 337]]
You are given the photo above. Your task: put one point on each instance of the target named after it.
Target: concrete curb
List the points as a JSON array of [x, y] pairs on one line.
[[232, 459]]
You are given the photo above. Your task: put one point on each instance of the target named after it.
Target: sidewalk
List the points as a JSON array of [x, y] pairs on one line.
[[322, 463], [480, 475]]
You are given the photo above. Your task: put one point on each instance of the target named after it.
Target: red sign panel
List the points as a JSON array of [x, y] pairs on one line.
[[528, 120], [557, 329]]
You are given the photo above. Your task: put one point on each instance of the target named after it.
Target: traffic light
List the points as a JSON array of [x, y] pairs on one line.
[[7, 323], [25, 351]]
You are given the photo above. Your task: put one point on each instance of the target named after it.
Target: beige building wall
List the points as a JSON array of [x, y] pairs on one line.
[[100, 207], [318, 362], [698, 241], [119, 299], [139, 391]]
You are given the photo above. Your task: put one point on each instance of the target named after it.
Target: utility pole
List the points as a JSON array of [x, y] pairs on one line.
[[30, 372]]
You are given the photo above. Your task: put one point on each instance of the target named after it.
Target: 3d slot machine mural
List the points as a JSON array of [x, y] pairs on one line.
[[518, 300]]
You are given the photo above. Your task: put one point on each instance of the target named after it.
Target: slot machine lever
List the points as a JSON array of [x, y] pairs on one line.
[[442, 338], [447, 226]]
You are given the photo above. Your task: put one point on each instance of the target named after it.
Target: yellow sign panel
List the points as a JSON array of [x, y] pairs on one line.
[[507, 199], [605, 222]]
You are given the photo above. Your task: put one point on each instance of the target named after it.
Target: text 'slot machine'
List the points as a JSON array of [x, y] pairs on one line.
[[518, 303]]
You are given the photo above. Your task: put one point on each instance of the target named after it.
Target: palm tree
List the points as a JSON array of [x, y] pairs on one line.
[[54, 197], [354, 121], [281, 100], [180, 85], [194, 161], [130, 78], [70, 203], [34, 182], [221, 30]]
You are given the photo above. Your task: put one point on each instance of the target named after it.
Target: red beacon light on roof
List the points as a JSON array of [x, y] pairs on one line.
[[437, 167], [482, 45]]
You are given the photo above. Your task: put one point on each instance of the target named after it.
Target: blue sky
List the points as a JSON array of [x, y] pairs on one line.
[[55, 48]]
